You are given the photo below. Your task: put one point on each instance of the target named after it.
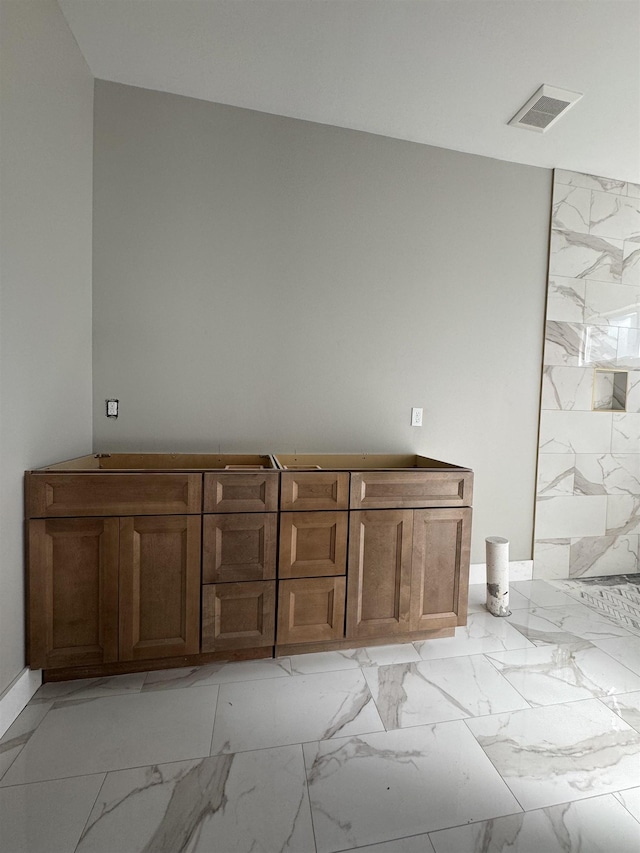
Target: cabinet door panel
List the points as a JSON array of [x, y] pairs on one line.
[[379, 573], [313, 544], [73, 592], [311, 610], [238, 615], [228, 491], [312, 490], [239, 547], [159, 587], [440, 568]]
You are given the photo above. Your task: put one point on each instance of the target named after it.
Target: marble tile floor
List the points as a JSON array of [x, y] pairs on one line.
[[519, 734]]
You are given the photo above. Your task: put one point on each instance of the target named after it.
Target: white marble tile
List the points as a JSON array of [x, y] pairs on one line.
[[569, 623], [623, 514], [575, 432], [623, 649], [232, 803], [413, 844], [628, 352], [433, 691], [591, 182], [94, 735], [630, 799], [482, 633], [575, 255], [559, 753], [570, 209], [625, 434], [630, 263], [633, 190], [626, 706], [46, 817], [563, 344], [567, 388], [548, 675], [594, 556], [633, 391], [477, 602], [565, 299], [90, 688], [551, 558], [607, 473], [616, 217], [612, 304], [599, 346], [293, 710], [555, 474], [560, 518], [596, 825], [216, 673], [353, 658], [19, 733], [378, 787], [541, 593]]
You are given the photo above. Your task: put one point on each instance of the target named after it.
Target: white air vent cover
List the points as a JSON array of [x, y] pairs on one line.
[[544, 108]]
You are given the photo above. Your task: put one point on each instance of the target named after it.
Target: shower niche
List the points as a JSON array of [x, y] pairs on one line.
[[610, 390]]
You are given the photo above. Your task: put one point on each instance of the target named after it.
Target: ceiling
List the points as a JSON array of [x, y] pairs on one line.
[[449, 73]]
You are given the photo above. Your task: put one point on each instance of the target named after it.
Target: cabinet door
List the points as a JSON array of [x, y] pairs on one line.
[[238, 615], [379, 573], [73, 592], [440, 568], [239, 547], [310, 610], [313, 544], [159, 587]]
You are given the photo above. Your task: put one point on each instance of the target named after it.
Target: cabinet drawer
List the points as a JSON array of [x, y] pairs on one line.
[[228, 491], [395, 490], [313, 544], [73, 495], [311, 490], [238, 615], [239, 547], [311, 610]]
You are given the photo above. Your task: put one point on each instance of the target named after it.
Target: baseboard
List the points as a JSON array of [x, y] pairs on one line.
[[519, 570], [17, 695]]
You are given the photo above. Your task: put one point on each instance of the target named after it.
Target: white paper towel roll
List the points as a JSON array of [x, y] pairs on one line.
[[498, 576]]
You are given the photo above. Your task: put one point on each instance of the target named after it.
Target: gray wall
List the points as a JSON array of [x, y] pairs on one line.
[[267, 283], [45, 274]]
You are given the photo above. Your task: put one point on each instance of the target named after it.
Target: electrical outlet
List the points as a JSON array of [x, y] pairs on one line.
[[416, 417], [111, 408]]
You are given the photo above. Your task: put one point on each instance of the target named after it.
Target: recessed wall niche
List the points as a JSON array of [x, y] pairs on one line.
[[610, 390]]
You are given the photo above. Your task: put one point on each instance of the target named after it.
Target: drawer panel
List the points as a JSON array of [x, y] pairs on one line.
[[238, 615], [311, 610], [239, 547], [234, 491], [309, 490], [395, 490], [313, 544], [73, 495]]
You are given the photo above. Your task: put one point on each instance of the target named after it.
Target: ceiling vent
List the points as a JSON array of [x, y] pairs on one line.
[[544, 108]]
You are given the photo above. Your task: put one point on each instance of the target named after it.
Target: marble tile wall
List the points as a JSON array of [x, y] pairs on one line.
[[588, 491]]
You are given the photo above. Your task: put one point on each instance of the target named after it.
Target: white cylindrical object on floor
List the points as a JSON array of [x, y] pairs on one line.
[[498, 576]]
